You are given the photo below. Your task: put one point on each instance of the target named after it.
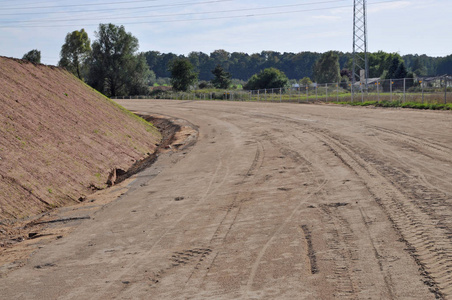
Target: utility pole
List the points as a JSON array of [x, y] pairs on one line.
[[360, 65]]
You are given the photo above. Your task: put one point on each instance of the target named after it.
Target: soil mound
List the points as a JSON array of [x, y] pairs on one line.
[[60, 139]]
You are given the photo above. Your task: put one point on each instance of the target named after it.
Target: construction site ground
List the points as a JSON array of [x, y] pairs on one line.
[[273, 201]]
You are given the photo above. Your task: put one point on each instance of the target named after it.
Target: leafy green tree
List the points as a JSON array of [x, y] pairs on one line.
[[141, 77], [418, 68], [267, 79], [306, 81], [116, 69], [327, 68], [182, 74], [392, 68], [396, 69], [33, 56], [222, 79], [401, 71], [75, 51], [445, 66]]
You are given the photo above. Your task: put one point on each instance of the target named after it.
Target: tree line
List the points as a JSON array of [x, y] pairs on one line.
[[112, 65], [295, 65]]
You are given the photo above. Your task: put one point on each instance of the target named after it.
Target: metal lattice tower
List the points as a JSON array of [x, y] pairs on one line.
[[360, 66]]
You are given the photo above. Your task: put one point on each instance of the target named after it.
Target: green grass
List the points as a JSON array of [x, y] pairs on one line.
[[149, 126], [415, 105]]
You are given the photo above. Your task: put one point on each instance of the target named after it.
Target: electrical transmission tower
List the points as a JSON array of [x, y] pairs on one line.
[[360, 66]]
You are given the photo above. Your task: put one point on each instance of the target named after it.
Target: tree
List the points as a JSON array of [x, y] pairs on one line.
[[306, 81], [445, 66], [141, 78], [401, 71], [75, 51], [396, 69], [115, 68], [182, 74], [267, 79], [418, 68], [222, 79], [326, 69], [33, 56]]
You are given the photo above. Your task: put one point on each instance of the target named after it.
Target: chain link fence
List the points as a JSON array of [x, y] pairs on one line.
[[428, 90]]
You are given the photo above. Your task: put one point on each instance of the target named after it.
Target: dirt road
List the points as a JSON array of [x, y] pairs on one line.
[[274, 201]]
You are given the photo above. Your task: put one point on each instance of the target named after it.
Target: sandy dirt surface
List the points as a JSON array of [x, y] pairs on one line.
[[59, 140], [274, 201]]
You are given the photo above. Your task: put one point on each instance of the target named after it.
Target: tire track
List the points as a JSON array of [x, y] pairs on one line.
[[307, 167], [412, 146], [199, 273], [209, 190], [341, 241], [419, 142], [428, 244], [409, 178]]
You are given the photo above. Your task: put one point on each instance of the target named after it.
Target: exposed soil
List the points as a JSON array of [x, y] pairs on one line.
[[59, 142], [274, 201], [20, 238]]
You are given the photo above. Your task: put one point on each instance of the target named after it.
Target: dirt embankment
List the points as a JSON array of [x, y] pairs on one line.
[[60, 139]]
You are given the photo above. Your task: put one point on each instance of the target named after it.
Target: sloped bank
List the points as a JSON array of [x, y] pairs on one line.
[[60, 139]]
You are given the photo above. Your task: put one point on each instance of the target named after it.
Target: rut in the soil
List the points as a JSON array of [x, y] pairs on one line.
[[426, 241]]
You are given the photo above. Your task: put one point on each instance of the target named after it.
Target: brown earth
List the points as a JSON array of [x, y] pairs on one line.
[[59, 140], [274, 201], [22, 237]]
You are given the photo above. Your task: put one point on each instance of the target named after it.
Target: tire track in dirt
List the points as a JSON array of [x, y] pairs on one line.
[[311, 252], [341, 238], [427, 244], [410, 177], [409, 226], [418, 142], [210, 189], [425, 232], [308, 168], [200, 272], [341, 241], [437, 151]]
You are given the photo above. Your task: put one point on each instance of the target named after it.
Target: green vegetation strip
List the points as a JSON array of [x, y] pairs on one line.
[[416, 105]]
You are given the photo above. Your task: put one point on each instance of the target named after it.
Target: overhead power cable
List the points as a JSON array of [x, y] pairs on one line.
[[181, 14], [205, 19], [75, 5], [114, 9]]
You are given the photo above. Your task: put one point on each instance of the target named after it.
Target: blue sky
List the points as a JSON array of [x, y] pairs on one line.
[[182, 26]]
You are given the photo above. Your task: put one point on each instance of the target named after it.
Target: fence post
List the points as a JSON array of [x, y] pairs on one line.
[[326, 85], [337, 92], [404, 90], [280, 95], [445, 89], [422, 91], [316, 94], [378, 91], [390, 87]]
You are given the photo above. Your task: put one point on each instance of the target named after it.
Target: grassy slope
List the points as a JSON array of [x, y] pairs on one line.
[[58, 137]]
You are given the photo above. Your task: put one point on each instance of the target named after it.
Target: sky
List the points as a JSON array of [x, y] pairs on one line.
[[250, 26]]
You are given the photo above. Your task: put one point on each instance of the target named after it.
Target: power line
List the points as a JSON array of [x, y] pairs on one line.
[[182, 14], [200, 19], [76, 5], [114, 9]]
